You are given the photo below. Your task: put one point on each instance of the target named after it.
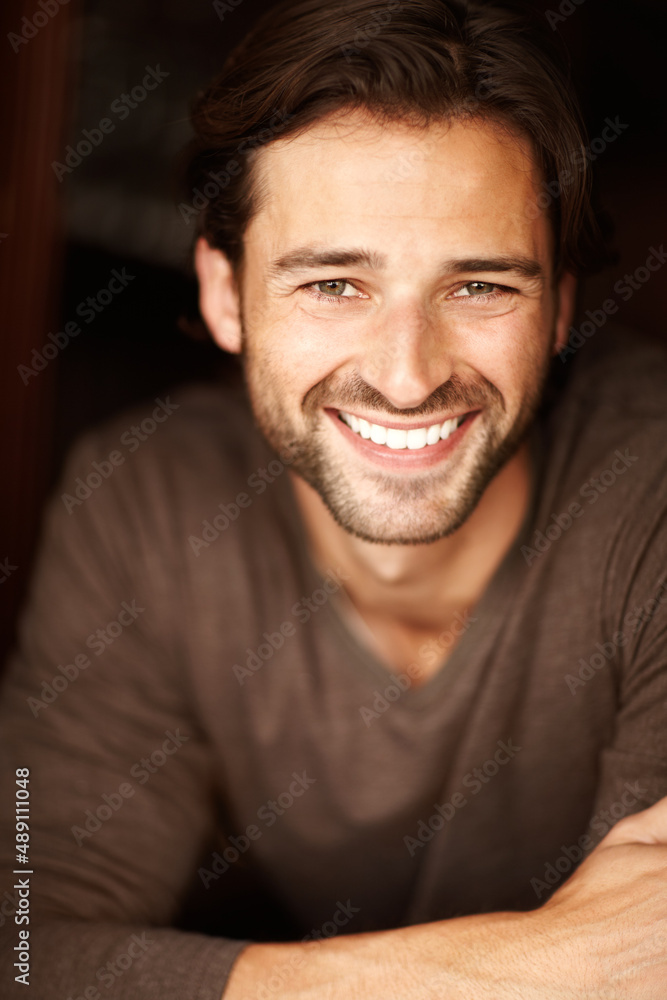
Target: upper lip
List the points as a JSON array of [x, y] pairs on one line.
[[425, 422]]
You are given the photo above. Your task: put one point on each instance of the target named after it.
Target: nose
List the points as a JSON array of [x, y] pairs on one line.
[[405, 357]]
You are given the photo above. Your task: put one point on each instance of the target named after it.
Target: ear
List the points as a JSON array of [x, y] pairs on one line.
[[218, 296], [567, 290]]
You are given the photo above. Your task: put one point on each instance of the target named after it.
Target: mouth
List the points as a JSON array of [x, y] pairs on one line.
[[398, 438], [401, 446]]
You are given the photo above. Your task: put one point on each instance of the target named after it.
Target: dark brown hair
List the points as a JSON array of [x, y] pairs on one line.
[[403, 60]]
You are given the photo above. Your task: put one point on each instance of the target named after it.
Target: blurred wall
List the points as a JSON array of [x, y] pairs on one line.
[[35, 87]]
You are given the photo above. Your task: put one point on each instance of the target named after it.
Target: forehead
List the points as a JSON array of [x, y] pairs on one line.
[[350, 176]]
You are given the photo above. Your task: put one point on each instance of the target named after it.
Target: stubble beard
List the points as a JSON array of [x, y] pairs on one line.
[[377, 506]]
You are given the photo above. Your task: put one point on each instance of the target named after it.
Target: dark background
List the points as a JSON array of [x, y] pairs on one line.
[[59, 241]]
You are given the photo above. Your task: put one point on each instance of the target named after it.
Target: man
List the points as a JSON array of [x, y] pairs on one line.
[[377, 679]]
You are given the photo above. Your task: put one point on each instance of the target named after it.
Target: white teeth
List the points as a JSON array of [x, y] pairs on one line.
[[396, 439], [433, 434], [448, 427], [417, 438]]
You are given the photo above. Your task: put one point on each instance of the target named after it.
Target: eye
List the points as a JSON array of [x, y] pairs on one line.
[[334, 288], [481, 290]]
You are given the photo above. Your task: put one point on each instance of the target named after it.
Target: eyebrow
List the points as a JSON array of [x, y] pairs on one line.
[[309, 257], [304, 258]]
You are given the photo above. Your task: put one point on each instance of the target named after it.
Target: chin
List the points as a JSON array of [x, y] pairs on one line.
[[386, 510], [396, 514]]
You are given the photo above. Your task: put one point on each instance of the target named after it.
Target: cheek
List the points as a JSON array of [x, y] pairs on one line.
[[304, 349], [509, 351], [285, 361]]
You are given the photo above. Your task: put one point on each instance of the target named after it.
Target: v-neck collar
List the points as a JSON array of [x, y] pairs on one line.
[[489, 611]]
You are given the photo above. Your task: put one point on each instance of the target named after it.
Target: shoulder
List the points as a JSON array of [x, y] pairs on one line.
[[622, 370], [142, 482], [198, 432], [612, 397], [605, 440]]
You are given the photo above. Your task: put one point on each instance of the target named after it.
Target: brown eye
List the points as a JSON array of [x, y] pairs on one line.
[[331, 287], [487, 290]]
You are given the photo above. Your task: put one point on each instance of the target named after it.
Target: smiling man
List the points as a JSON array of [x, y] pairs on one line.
[[400, 596], [411, 362], [415, 330]]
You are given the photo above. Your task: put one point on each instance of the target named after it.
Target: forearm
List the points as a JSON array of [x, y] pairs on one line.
[[93, 960], [499, 956]]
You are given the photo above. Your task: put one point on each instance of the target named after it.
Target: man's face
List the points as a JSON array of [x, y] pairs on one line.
[[396, 284]]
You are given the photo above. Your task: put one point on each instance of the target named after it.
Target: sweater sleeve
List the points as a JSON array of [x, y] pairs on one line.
[[633, 768], [96, 706]]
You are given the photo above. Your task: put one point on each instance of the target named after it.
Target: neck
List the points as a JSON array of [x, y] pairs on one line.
[[415, 581]]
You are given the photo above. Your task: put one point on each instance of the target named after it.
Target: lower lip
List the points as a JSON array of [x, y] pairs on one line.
[[403, 459]]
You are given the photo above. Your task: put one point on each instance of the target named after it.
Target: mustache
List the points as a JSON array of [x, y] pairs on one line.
[[454, 394]]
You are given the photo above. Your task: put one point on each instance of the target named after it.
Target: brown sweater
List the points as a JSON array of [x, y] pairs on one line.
[[215, 757]]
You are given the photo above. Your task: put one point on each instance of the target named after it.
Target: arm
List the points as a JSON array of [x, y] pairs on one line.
[[601, 936], [114, 843]]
